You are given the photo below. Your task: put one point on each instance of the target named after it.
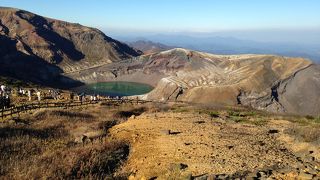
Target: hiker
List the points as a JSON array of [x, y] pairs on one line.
[[20, 92], [3, 88], [7, 102], [71, 96], [55, 95], [81, 97], [39, 95], [29, 95]]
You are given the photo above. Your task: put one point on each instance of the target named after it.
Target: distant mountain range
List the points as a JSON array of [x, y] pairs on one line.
[[149, 47], [231, 45]]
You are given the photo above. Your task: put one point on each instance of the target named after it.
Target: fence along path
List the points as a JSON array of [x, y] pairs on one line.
[[16, 110]]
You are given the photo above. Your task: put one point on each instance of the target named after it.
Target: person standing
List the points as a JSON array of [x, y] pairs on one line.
[[7, 101], [29, 95], [39, 95], [71, 96], [3, 88]]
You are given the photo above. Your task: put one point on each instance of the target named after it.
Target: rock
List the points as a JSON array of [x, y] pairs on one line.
[[312, 171], [273, 131], [180, 166], [153, 178], [165, 132], [81, 139], [202, 177], [305, 176], [222, 176], [230, 147], [131, 177], [183, 166], [252, 175], [174, 132], [95, 134]]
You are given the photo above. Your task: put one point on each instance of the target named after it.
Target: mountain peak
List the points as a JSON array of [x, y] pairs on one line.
[[55, 44]]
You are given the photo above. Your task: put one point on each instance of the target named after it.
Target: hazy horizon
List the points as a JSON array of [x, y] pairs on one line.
[[267, 21], [222, 27]]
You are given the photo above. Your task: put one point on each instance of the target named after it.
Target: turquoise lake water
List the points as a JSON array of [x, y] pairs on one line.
[[115, 88]]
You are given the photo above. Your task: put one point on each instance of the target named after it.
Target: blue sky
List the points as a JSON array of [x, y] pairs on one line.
[[179, 15]]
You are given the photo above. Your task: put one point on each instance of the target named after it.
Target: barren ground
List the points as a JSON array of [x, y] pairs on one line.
[[185, 143], [159, 141]]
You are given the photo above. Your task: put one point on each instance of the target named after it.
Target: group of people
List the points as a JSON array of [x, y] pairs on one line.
[[6, 94], [29, 93], [83, 97]]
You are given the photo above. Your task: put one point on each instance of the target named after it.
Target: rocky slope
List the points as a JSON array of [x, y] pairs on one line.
[[266, 82], [188, 144], [33, 46]]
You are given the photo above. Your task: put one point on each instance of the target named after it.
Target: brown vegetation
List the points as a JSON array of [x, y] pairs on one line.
[[43, 145], [157, 140]]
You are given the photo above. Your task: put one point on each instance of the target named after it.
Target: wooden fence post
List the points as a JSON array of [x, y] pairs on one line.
[[18, 109]]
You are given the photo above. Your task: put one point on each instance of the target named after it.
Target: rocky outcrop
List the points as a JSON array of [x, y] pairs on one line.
[[249, 80], [266, 82], [300, 93], [297, 94], [47, 46]]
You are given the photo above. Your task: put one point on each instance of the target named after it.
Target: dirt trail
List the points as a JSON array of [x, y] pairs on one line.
[[183, 145]]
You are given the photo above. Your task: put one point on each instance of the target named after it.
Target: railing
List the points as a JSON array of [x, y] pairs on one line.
[[16, 110]]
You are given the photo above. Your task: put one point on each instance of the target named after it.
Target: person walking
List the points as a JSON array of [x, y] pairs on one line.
[[7, 101], [3, 88], [71, 96], [29, 95], [39, 95]]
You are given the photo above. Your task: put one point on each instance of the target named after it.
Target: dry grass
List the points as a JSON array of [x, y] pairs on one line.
[[310, 134], [42, 146], [125, 114]]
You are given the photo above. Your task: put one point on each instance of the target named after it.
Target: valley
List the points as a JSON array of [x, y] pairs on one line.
[[146, 110]]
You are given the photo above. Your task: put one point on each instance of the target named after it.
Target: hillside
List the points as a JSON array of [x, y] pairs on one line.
[[266, 82], [158, 141], [149, 47], [39, 49]]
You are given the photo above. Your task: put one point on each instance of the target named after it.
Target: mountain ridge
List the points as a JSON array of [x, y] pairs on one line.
[[256, 81], [226, 44], [149, 47], [60, 45]]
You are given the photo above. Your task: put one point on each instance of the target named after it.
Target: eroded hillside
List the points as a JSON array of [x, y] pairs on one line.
[[33, 46], [266, 82]]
